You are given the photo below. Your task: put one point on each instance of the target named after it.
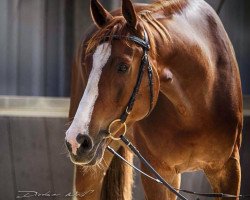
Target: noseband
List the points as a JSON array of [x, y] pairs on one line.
[[144, 62]]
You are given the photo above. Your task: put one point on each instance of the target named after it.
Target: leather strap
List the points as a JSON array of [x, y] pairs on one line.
[[144, 61]]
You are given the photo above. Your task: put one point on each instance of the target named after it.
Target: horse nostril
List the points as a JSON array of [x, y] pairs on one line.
[[80, 138], [85, 141]]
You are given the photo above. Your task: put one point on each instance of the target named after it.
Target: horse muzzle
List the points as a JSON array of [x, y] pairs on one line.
[[84, 151]]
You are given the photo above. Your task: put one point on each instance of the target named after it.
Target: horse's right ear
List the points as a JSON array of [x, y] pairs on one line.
[[129, 13], [99, 14]]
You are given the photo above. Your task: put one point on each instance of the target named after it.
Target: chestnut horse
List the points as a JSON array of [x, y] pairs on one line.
[[196, 120]]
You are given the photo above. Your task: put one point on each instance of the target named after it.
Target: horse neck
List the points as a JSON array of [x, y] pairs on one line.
[[170, 59]]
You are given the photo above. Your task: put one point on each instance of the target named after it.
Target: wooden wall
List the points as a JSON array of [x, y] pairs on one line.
[[33, 156], [36, 38]]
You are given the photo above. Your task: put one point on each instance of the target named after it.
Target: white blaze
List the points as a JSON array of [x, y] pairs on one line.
[[83, 114]]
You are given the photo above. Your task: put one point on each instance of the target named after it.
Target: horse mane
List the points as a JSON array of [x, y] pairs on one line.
[[168, 6], [146, 19]]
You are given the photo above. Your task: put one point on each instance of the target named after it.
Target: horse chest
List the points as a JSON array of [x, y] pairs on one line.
[[184, 145]]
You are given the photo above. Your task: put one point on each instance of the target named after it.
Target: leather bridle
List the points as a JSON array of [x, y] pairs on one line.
[[144, 63]]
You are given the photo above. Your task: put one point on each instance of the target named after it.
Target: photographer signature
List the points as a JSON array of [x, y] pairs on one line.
[[28, 194]]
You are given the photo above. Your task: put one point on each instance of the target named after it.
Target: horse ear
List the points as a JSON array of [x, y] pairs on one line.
[[129, 13], [99, 14]]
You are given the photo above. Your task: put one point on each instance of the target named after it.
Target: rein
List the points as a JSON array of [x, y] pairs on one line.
[[159, 179], [122, 121]]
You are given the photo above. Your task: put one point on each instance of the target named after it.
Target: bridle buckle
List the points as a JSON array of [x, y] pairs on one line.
[[112, 133]]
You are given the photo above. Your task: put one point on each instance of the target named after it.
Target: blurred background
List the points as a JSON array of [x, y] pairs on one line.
[[38, 39]]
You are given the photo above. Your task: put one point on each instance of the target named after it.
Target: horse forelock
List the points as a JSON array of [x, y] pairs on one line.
[[119, 27], [115, 27]]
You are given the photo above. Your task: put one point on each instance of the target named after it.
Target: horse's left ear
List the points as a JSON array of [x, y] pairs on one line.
[[129, 13]]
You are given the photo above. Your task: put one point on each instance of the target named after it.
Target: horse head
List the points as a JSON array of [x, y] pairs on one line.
[[112, 63]]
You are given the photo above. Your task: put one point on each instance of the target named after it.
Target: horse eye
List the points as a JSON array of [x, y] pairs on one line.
[[122, 68]]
